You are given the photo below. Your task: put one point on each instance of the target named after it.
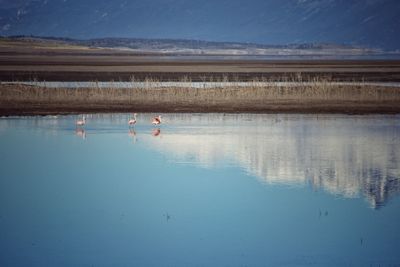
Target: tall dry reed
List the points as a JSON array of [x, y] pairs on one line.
[[225, 91]]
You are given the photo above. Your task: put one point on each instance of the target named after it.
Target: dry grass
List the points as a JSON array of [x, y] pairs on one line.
[[255, 90], [152, 97]]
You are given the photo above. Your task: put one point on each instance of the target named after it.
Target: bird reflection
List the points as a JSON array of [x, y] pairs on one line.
[[156, 132], [167, 216], [80, 132], [132, 134]]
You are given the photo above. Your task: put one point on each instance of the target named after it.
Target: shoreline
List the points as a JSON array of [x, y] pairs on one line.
[[364, 109]]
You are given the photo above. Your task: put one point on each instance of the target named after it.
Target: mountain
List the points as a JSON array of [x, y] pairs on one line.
[[368, 23], [187, 47]]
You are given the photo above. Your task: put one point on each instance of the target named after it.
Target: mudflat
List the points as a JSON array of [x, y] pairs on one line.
[[24, 62], [127, 67]]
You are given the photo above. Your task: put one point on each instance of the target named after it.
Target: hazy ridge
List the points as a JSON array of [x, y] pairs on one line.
[[198, 46]]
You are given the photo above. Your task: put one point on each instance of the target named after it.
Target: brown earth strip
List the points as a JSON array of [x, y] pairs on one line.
[[195, 76], [106, 69]]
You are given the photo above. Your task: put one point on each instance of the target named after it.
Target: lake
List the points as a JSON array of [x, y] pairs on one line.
[[200, 190]]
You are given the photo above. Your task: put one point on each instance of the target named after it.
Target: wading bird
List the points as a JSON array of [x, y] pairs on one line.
[[132, 121], [81, 122], [156, 120]]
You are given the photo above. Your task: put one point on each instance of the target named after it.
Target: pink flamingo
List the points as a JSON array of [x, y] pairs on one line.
[[132, 121], [156, 120], [81, 122]]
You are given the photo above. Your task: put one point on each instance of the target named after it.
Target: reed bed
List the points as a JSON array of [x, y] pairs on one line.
[[153, 90], [153, 96]]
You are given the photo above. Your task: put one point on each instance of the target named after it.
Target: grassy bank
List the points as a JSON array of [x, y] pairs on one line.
[[315, 97]]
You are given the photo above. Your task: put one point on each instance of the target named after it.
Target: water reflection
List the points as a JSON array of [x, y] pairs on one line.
[[346, 156], [191, 195], [156, 132], [80, 132], [132, 134]]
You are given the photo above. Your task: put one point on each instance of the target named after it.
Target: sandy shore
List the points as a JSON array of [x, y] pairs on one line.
[[75, 68], [29, 109], [26, 62]]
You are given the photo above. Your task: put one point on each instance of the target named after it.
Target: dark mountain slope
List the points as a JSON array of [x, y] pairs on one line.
[[371, 23]]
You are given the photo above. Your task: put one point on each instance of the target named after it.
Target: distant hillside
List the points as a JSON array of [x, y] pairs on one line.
[[366, 23], [168, 46]]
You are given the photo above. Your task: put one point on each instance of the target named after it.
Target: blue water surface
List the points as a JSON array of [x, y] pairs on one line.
[[200, 190]]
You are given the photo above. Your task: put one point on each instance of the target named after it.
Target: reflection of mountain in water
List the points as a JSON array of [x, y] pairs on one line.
[[341, 154]]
